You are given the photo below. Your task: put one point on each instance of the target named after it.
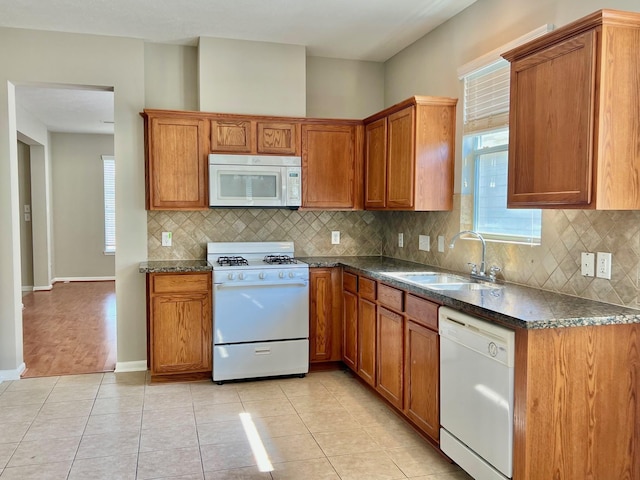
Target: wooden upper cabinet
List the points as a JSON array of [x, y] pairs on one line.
[[332, 166], [375, 164], [278, 138], [176, 163], [254, 135], [232, 136], [574, 123], [410, 154]]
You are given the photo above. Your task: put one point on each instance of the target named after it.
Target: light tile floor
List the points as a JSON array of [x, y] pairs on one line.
[[118, 426]]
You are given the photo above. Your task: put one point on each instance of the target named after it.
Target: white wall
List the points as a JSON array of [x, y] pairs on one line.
[[239, 76], [78, 199], [36, 56], [171, 77], [344, 88], [26, 237]]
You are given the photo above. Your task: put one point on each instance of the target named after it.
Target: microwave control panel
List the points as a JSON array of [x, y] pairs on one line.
[[294, 197]]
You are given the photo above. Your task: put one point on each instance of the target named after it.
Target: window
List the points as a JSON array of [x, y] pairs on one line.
[[109, 168], [485, 151]]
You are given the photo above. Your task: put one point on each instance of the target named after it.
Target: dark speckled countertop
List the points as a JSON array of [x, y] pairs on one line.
[[175, 266], [510, 304]]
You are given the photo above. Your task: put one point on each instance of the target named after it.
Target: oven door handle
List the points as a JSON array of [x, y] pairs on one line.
[[298, 283]]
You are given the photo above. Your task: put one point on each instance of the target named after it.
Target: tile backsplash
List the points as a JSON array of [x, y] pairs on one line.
[[360, 232], [554, 265]]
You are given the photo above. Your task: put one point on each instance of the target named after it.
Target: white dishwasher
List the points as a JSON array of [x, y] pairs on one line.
[[476, 394]]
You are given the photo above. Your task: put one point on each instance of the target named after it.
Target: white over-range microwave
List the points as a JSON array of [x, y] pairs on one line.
[[254, 181]]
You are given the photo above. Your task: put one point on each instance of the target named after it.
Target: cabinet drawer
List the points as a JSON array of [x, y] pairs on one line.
[[390, 297], [180, 282], [422, 311], [367, 289], [350, 282]]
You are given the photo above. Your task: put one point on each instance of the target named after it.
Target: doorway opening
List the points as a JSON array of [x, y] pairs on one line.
[[68, 263]]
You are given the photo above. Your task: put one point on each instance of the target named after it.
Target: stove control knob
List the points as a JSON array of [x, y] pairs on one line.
[[261, 276], [241, 276], [291, 274], [231, 276], [281, 275]]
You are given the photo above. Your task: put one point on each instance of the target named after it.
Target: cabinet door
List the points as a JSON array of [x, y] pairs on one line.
[[181, 333], [330, 167], [324, 311], [280, 138], [390, 356], [401, 159], [232, 136], [422, 378], [367, 341], [551, 125], [177, 164], [350, 330], [375, 158]]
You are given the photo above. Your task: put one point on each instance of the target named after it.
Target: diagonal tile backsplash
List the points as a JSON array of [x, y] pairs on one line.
[[360, 232], [554, 265]]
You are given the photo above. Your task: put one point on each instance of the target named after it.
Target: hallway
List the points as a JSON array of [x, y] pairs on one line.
[[70, 329]]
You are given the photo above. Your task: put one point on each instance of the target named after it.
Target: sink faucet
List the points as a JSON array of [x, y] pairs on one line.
[[482, 272]]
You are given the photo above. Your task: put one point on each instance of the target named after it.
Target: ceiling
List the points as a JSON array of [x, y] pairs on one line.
[[372, 30]]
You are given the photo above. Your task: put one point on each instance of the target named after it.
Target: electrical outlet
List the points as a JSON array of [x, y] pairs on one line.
[[603, 263], [335, 238], [440, 243], [401, 240], [166, 239], [588, 264], [424, 243]]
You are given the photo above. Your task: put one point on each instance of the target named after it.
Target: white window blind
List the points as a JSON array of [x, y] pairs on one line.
[[485, 148], [109, 166], [486, 98]]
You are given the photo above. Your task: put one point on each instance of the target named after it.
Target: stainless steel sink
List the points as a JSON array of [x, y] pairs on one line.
[[426, 278], [441, 281]]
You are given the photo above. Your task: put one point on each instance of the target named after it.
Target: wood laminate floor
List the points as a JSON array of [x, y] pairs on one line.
[[70, 329]]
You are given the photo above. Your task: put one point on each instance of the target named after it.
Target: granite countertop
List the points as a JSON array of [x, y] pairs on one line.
[[508, 304], [174, 266]]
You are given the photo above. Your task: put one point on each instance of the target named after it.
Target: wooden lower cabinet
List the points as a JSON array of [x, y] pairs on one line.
[[325, 309], [422, 378], [393, 335], [390, 356], [367, 341], [422, 365], [180, 324], [350, 329]]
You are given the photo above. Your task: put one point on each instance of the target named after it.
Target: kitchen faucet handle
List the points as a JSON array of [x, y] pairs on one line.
[[474, 268], [493, 270]]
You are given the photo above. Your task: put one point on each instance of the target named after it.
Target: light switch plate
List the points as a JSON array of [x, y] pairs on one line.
[[440, 243], [335, 238], [424, 243], [401, 240], [166, 239], [588, 264]]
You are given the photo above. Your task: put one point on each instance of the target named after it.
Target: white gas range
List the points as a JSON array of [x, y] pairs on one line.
[[260, 310]]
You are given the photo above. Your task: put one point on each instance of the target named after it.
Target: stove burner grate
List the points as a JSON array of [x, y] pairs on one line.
[[232, 261], [279, 260]]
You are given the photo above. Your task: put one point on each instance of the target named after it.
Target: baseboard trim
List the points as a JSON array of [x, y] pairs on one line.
[[12, 374], [45, 288], [135, 366], [27, 288], [83, 279]]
